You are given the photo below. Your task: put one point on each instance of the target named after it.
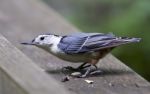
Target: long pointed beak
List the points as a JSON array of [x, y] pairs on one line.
[[28, 43]]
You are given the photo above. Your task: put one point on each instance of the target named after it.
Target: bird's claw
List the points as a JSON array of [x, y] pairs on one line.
[[86, 73], [82, 76], [89, 73]]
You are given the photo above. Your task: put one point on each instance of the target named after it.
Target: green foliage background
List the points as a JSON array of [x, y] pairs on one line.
[[122, 17]]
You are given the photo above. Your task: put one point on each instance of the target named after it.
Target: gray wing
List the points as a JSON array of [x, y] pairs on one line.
[[86, 42]]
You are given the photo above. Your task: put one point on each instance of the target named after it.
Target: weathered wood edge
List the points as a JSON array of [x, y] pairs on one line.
[[19, 75], [44, 19]]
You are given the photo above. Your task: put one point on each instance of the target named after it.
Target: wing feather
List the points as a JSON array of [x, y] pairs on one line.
[[85, 42]]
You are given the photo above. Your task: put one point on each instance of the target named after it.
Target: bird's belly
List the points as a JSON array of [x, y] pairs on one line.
[[79, 57], [84, 57]]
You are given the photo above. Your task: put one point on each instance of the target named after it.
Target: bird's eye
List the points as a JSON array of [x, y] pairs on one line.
[[42, 38]]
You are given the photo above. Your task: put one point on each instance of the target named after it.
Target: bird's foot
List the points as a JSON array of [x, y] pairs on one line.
[[91, 71], [81, 67], [83, 76], [86, 73]]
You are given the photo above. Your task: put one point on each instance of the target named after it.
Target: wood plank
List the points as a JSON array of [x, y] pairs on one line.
[[8, 86], [19, 75], [21, 20]]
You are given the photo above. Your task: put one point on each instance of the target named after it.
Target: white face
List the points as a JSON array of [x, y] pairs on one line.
[[43, 40]]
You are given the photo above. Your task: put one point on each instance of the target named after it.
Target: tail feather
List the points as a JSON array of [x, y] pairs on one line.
[[122, 40], [115, 42], [128, 40]]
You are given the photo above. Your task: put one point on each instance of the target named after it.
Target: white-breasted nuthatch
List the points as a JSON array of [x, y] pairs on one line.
[[80, 47]]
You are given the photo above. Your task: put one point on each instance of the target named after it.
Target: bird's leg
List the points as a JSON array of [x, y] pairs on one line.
[[81, 66], [88, 71], [78, 68], [95, 66]]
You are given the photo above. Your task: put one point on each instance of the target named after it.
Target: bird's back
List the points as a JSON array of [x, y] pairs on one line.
[[89, 42]]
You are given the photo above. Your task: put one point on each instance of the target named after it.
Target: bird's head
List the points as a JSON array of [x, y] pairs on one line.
[[43, 40]]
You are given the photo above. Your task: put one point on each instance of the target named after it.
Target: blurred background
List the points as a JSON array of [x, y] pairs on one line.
[[122, 17]]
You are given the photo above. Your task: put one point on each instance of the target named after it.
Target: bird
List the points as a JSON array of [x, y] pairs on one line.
[[79, 47]]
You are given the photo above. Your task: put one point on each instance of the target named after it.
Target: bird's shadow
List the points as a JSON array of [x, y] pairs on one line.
[[100, 72]]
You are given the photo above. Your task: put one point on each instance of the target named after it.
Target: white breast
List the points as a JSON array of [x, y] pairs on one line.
[[75, 58]]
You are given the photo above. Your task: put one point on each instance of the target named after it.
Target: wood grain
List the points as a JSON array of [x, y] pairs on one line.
[[22, 20]]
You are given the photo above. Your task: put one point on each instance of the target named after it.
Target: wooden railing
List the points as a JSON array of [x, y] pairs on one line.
[[21, 67]]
